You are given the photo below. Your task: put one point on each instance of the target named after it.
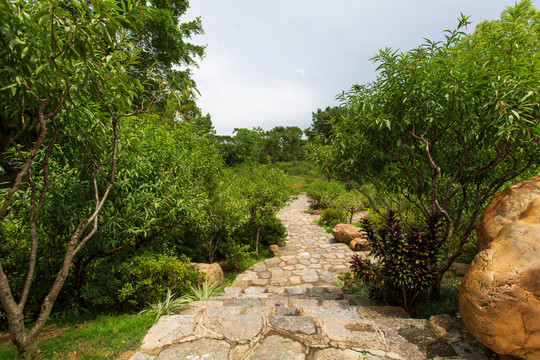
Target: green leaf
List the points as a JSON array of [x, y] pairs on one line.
[[14, 42], [8, 86]]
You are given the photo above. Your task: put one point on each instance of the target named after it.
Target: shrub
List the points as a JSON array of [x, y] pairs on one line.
[[407, 263], [236, 254], [331, 217], [131, 283]]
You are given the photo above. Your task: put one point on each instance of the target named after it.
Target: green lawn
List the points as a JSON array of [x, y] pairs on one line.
[[107, 337]]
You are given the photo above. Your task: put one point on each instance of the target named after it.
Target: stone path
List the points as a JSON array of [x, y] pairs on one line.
[[310, 258], [289, 308]]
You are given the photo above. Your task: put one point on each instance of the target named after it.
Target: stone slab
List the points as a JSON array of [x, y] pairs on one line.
[[361, 333], [168, 330], [293, 324], [229, 321], [207, 349], [414, 339], [277, 347]]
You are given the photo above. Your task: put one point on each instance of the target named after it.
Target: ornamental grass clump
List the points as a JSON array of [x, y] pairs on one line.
[[405, 266]]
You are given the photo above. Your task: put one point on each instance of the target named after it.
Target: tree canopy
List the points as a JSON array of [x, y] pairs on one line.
[[445, 125]]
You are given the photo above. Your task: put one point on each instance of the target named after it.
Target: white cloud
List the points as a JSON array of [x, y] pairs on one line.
[[255, 73]]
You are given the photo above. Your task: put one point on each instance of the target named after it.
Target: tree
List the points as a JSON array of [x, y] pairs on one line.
[[323, 121], [249, 144], [291, 136], [445, 125], [69, 76], [264, 189]]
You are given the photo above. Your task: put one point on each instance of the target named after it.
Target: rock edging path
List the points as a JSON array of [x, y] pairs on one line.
[[289, 308]]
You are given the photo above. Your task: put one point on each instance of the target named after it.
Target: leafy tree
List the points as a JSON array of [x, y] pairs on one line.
[[227, 210], [445, 125], [291, 137], [323, 121], [266, 193], [249, 144], [272, 143], [69, 76]]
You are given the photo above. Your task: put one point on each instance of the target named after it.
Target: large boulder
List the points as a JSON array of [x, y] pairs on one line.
[[505, 208], [213, 273], [500, 294], [345, 233]]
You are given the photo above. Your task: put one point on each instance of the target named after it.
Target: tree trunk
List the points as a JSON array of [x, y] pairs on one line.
[[28, 349], [257, 241]]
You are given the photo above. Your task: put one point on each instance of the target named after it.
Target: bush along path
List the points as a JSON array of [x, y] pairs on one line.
[[288, 307]]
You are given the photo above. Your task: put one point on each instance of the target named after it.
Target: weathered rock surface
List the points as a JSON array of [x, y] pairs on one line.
[[345, 233], [505, 208], [500, 294], [360, 244], [214, 273]]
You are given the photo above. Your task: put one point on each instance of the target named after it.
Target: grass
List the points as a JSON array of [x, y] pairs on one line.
[[204, 291], [107, 337]]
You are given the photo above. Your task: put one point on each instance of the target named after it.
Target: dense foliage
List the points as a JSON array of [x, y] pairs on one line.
[[445, 125], [111, 182], [257, 146]]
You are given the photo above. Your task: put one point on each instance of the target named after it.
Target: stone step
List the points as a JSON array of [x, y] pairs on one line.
[[299, 308], [347, 332]]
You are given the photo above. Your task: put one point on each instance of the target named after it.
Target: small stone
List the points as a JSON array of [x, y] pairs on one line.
[[295, 290], [274, 249], [254, 290]]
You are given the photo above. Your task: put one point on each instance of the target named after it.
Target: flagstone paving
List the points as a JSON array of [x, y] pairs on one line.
[[288, 307]]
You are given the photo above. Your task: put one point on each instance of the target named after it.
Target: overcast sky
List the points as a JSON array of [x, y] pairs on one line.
[[274, 62]]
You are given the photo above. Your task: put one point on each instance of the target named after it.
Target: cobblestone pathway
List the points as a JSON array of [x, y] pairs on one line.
[[310, 257], [289, 308]]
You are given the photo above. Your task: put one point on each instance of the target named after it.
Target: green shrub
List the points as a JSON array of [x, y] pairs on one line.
[[236, 254], [331, 217], [131, 283], [272, 232], [407, 263]]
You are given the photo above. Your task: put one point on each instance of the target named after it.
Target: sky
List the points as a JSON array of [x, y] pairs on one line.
[[274, 62]]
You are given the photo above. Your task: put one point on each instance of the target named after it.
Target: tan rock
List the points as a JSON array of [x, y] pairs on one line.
[[213, 273], [360, 244], [274, 249], [505, 208], [345, 233], [500, 294]]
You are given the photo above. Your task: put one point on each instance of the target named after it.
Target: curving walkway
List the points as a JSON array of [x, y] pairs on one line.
[[309, 258], [289, 308]]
